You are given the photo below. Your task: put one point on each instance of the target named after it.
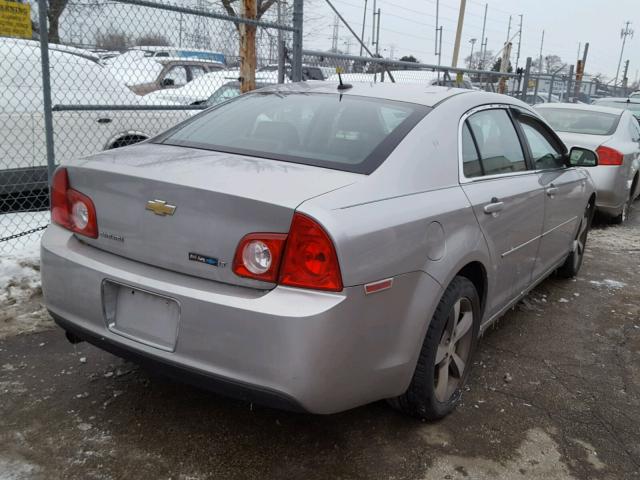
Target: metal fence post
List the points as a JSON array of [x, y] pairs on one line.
[[525, 80], [46, 87], [296, 59], [281, 65], [569, 79], [551, 83]]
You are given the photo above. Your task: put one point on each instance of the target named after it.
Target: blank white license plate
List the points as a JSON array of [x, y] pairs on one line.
[[141, 316]]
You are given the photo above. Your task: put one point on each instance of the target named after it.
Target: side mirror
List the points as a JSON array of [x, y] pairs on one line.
[[168, 82], [582, 157]]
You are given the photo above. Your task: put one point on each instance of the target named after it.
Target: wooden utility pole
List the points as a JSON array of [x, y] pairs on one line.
[[456, 46], [580, 72], [248, 47], [504, 67]]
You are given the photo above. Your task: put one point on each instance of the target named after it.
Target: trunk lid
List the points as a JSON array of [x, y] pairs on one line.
[[218, 198], [583, 140]]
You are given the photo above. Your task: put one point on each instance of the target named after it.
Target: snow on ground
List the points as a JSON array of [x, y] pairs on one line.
[[21, 308], [623, 238]]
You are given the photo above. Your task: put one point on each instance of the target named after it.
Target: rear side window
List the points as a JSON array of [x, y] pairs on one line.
[[342, 132], [470, 158], [497, 141], [177, 76]]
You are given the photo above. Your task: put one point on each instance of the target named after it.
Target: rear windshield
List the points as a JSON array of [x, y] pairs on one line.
[[580, 121], [342, 132], [632, 107]]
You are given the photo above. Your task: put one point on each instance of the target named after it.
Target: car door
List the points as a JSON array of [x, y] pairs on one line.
[[507, 200], [564, 189]]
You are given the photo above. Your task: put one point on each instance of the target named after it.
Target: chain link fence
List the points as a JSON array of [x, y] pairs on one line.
[[117, 72], [110, 73]]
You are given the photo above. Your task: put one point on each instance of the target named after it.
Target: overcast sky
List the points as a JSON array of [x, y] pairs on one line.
[[408, 28]]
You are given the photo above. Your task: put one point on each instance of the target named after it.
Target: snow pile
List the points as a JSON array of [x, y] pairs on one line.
[[21, 308], [608, 283]]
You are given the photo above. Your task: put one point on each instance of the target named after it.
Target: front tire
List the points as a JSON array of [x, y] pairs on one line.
[[446, 355]]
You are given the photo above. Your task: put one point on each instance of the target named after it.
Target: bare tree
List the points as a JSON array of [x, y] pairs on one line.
[[112, 41], [481, 60], [55, 8], [263, 6], [551, 64], [153, 40], [254, 10]]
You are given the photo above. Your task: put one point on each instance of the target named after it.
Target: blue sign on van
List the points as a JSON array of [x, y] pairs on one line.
[[211, 56]]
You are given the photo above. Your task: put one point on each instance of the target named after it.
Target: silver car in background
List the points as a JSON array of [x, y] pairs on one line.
[[318, 247], [632, 104], [615, 135]]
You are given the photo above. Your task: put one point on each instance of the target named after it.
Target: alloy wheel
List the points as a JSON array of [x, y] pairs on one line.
[[453, 350]]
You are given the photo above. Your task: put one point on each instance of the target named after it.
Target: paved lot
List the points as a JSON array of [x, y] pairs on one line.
[[555, 393]]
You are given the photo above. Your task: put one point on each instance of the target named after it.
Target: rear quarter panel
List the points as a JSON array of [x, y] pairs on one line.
[[433, 232]]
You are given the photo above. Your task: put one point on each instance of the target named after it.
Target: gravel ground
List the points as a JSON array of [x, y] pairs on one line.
[[555, 393]]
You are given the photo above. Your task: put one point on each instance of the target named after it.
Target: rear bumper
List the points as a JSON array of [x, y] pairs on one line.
[[612, 185], [291, 348], [182, 373]]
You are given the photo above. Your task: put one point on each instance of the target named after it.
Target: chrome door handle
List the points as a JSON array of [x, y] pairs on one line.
[[494, 207], [551, 191]]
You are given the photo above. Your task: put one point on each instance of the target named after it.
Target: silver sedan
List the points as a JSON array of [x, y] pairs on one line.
[[615, 135], [318, 248]]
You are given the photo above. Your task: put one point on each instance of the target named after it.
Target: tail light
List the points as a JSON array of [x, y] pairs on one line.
[[310, 260], [71, 209], [258, 256], [609, 156], [305, 258]]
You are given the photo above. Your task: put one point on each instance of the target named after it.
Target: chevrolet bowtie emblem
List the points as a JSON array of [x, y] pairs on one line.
[[160, 207]]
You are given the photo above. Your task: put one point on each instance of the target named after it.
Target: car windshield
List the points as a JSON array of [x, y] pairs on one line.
[[580, 121], [224, 93], [342, 132]]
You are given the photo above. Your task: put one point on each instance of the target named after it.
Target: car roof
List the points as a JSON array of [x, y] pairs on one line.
[[617, 100], [414, 93], [185, 61], [17, 44], [580, 106], [427, 95], [236, 83]]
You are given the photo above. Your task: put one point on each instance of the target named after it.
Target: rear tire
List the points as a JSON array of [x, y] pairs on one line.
[[622, 217], [624, 214], [446, 355], [572, 264]]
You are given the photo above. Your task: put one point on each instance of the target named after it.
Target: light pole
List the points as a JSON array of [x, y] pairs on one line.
[[626, 32], [473, 43]]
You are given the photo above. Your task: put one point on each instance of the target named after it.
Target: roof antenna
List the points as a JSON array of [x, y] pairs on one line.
[[342, 86]]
